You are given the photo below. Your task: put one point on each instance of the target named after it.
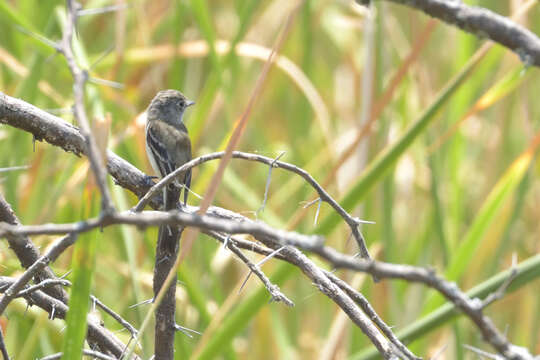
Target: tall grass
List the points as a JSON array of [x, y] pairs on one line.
[[447, 171]]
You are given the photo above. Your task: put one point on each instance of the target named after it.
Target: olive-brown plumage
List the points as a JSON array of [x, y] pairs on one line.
[[167, 141]]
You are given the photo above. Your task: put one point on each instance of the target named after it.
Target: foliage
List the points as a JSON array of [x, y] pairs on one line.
[[450, 182]]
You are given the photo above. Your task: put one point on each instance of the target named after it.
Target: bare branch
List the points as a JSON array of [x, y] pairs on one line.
[[258, 230], [483, 23], [43, 285], [80, 77], [370, 312], [57, 309], [323, 195], [267, 187], [92, 353], [499, 294], [40, 264], [331, 290], [28, 255], [273, 289], [29, 118], [472, 308], [26, 251], [114, 315]]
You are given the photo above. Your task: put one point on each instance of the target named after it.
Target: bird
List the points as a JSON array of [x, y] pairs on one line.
[[168, 145]]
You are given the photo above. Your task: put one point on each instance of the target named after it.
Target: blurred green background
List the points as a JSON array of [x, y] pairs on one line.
[[447, 172]]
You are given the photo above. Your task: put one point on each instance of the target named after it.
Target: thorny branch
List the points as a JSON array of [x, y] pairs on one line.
[[275, 292], [80, 77], [483, 23], [220, 222], [323, 195], [26, 251], [37, 266], [58, 309], [223, 222], [28, 254]]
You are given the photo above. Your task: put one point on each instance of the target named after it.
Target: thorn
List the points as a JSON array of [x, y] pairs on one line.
[[102, 10], [226, 242], [149, 301], [109, 83], [186, 331]]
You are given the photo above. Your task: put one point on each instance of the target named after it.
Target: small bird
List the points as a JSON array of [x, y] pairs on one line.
[[167, 142]]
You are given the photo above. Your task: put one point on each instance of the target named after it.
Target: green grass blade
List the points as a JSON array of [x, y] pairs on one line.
[[240, 317], [83, 268], [384, 161], [486, 215], [83, 263], [528, 271]]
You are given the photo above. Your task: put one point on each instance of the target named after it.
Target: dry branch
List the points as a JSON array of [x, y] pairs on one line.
[[483, 23], [226, 222]]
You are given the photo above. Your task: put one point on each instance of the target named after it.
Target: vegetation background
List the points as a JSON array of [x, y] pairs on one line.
[[458, 192]]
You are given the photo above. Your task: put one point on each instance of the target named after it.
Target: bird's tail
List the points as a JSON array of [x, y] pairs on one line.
[[169, 235]]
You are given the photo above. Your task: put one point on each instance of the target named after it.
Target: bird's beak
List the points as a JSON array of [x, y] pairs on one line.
[[190, 102]]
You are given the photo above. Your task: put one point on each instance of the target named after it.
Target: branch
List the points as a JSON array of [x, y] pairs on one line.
[[92, 353], [472, 308], [370, 312], [483, 23], [337, 295], [57, 309], [80, 77], [323, 195], [43, 285], [258, 230], [37, 266], [275, 292], [27, 252], [114, 315], [221, 220]]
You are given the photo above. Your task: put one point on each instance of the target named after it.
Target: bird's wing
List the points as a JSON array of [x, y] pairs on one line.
[[157, 149]]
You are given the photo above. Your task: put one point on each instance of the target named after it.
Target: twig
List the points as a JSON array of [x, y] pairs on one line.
[[94, 354], [331, 290], [186, 331], [80, 77], [43, 285], [472, 308], [14, 168], [273, 289], [267, 187], [27, 252], [483, 23], [370, 312], [353, 222], [41, 263], [258, 230], [499, 294], [483, 353], [114, 315], [57, 309]]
